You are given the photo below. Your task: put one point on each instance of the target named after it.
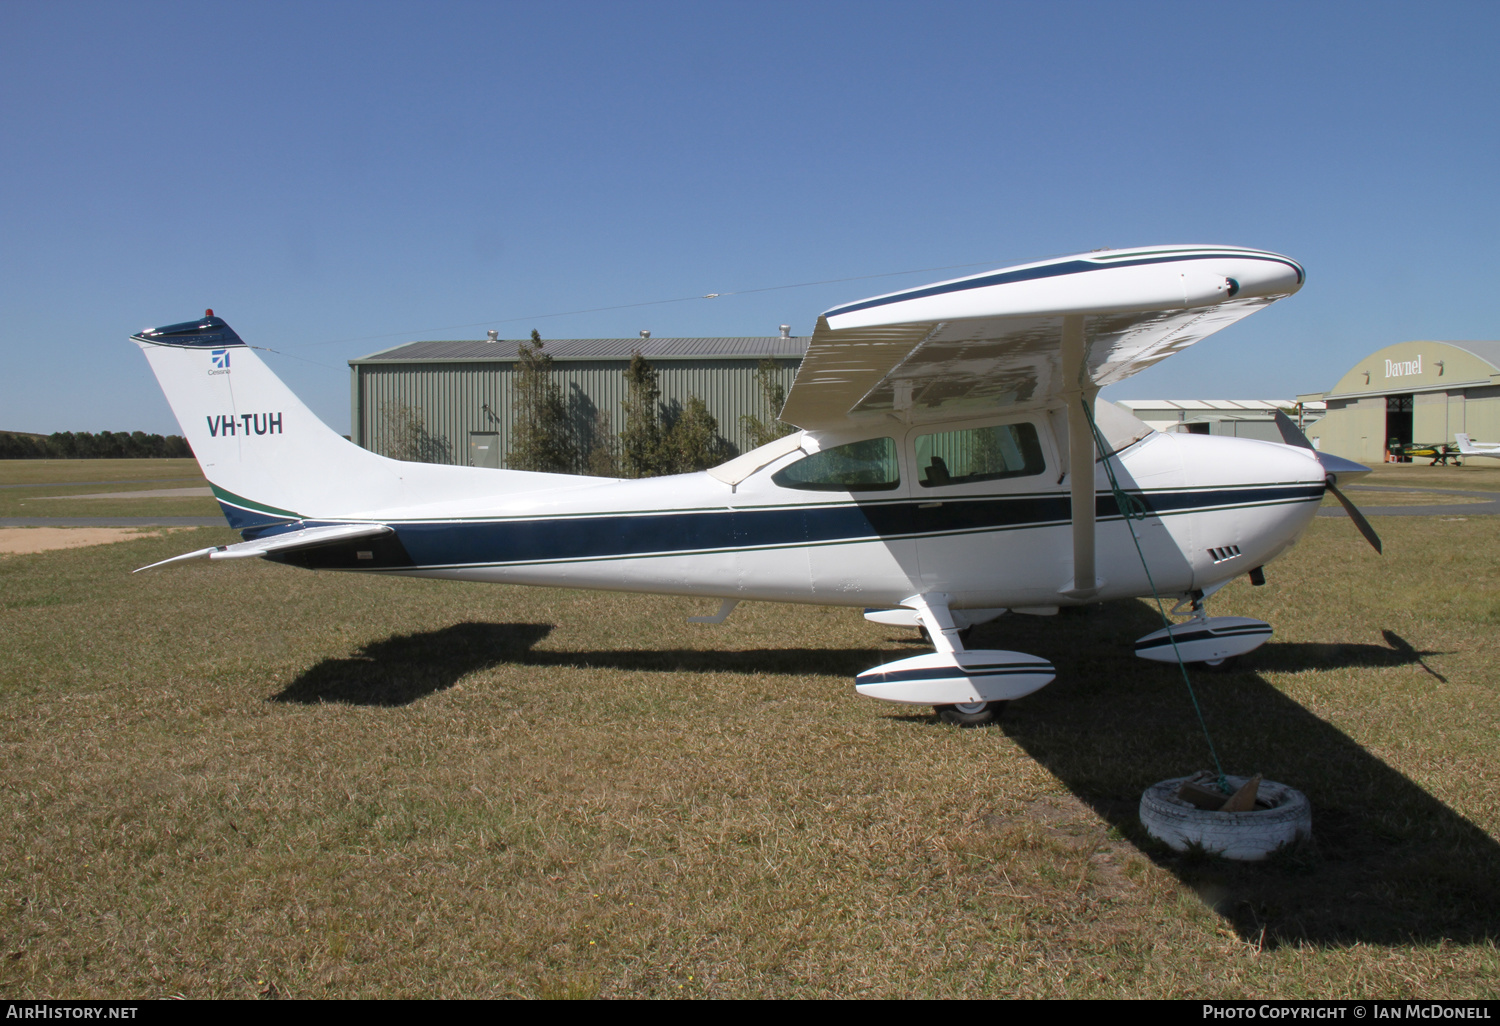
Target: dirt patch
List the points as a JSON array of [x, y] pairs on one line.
[[26, 540]]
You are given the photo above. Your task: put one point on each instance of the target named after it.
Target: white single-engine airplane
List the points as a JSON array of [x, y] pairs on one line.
[[1468, 447], [945, 470]]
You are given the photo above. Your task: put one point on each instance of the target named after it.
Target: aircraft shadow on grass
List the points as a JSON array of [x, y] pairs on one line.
[[1388, 863], [405, 668]]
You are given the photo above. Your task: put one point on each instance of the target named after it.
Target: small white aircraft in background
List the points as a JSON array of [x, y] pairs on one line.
[[1468, 447], [945, 470]]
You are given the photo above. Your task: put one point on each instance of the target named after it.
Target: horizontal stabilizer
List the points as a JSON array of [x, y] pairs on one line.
[[291, 541], [949, 678]]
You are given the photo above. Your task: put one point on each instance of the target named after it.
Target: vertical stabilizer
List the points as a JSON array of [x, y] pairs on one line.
[[269, 459]]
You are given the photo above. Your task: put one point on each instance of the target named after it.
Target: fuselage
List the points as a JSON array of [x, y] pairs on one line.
[[977, 510]]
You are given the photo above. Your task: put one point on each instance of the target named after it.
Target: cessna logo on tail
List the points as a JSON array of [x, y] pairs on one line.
[[244, 424], [220, 360]]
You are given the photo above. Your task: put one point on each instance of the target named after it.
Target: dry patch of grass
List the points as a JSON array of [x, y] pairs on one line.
[[30, 540], [242, 779]]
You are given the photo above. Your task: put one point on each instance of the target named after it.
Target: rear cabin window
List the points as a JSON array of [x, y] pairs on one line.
[[868, 466], [980, 454]]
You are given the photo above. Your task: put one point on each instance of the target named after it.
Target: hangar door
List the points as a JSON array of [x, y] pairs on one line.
[[1398, 410], [484, 449]]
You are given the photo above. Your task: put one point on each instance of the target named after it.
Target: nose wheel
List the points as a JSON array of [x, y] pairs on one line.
[[1213, 641]]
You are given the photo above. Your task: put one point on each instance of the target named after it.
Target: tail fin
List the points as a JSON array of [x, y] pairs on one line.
[[269, 459], [1465, 444]]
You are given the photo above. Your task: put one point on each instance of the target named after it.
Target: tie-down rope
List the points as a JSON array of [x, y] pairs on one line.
[[1132, 509]]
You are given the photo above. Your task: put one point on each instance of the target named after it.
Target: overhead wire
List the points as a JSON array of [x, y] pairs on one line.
[[654, 302]]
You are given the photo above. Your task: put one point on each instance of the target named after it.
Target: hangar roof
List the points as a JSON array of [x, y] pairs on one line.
[[1420, 366], [1489, 352], [505, 349]]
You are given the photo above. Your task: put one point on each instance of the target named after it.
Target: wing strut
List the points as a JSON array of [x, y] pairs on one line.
[[1079, 390]]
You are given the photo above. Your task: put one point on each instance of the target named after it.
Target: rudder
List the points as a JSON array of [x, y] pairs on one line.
[[268, 457]]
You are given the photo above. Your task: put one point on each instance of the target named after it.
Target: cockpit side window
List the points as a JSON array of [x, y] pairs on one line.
[[979, 454], [867, 466]]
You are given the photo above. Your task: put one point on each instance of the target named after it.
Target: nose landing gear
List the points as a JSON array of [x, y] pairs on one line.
[[1210, 640]]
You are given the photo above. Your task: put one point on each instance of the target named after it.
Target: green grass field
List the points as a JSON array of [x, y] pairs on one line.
[[231, 780], [34, 486]]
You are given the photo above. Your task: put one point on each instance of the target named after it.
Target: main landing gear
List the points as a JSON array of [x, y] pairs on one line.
[[970, 714], [965, 686]]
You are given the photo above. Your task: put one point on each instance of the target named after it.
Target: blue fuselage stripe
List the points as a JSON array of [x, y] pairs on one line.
[[492, 542], [242, 518]]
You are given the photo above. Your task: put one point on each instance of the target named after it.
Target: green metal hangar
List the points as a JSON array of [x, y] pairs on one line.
[[1411, 392], [456, 397]]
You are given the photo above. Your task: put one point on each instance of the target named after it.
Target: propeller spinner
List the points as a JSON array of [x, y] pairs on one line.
[[1333, 466]]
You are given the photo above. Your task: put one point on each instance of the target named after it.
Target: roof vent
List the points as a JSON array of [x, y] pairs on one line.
[[645, 333], [786, 331], [494, 335]]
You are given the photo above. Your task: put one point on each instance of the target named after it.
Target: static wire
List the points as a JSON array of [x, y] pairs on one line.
[[654, 302], [1131, 509], [606, 309]]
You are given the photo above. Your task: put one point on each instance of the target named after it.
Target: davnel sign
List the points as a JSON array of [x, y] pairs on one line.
[[1403, 368]]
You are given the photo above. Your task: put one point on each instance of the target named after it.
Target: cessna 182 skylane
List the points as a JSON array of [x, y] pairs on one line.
[[945, 470]]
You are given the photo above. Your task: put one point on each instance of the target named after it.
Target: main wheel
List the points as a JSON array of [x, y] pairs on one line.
[[970, 714]]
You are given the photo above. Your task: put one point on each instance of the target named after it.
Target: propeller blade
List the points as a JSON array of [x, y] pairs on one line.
[[1333, 465], [1290, 433], [1356, 516]]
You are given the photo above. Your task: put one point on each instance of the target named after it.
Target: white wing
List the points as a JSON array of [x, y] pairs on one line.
[[994, 340]]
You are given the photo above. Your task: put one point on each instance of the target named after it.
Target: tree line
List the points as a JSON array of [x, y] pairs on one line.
[[87, 445], [655, 439]]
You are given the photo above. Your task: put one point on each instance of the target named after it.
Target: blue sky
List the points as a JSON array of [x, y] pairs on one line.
[[337, 178]]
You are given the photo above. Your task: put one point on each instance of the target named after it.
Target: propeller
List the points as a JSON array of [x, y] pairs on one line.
[[1332, 467]]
